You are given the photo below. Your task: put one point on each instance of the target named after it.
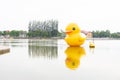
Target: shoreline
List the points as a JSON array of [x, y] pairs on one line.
[[103, 39], [63, 38]]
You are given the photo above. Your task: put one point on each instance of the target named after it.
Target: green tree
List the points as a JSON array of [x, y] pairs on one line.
[[115, 35], [1, 33], [48, 28], [14, 33], [107, 33], [101, 34]]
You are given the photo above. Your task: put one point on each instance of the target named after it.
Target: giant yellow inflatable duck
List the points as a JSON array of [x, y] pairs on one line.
[[74, 37], [73, 56]]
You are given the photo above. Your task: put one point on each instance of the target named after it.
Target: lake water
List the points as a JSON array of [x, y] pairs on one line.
[[55, 60]]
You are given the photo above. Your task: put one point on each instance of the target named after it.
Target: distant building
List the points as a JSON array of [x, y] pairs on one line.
[[22, 34]]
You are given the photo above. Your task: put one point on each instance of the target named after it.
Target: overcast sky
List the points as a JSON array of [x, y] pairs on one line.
[[88, 14]]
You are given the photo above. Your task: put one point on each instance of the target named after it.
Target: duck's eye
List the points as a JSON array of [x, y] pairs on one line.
[[73, 28]]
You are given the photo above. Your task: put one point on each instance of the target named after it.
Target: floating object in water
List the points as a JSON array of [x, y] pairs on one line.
[[73, 56], [91, 45], [74, 37], [4, 50]]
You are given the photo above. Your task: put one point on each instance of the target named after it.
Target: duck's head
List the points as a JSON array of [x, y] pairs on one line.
[[72, 28]]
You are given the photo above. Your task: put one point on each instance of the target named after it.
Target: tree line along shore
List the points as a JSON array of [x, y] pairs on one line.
[[49, 29], [103, 35]]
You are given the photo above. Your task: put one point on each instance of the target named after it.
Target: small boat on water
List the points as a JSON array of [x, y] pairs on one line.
[[91, 45], [4, 50]]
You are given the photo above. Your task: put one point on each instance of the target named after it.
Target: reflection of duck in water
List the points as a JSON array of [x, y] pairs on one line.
[[73, 56], [92, 49], [74, 37]]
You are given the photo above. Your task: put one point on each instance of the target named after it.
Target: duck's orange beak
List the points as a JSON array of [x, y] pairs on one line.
[[68, 32]]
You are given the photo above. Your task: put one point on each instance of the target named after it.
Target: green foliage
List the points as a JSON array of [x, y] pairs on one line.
[[101, 34], [44, 29], [1, 33], [5, 33], [105, 34], [14, 33], [115, 35]]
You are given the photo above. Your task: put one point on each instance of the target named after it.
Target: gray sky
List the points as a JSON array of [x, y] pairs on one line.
[[88, 14]]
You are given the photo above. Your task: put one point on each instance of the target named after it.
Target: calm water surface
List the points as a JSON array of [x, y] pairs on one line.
[[54, 60]]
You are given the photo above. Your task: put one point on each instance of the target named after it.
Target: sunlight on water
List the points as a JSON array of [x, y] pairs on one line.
[[55, 60]]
